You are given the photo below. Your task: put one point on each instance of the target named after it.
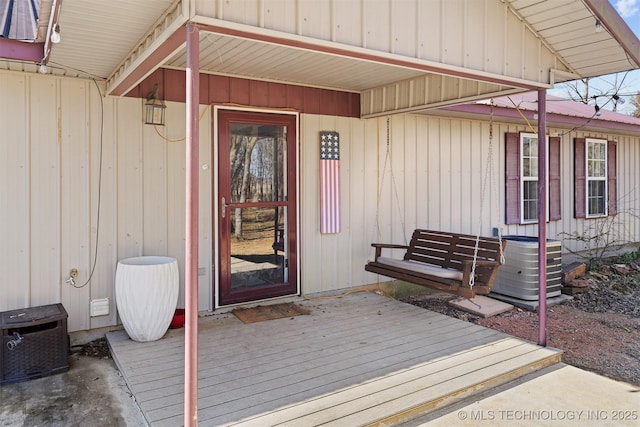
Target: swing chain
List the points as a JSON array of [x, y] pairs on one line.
[[495, 181], [387, 161], [489, 170]]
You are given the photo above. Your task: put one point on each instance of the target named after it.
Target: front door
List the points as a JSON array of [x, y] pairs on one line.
[[256, 206]]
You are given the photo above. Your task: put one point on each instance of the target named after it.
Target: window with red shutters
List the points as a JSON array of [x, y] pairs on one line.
[[514, 180], [580, 178]]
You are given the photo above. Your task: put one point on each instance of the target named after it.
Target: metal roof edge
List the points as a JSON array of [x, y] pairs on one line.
[[553, 119]]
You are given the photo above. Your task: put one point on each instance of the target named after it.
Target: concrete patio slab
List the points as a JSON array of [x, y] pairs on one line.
[[560, 395]]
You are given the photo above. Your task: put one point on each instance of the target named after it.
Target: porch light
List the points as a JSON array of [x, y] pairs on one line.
[[154, 108], [55, 36], [42, 68], [598, 26], [155, 112]]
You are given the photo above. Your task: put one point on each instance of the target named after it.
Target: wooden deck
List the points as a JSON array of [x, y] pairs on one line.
[[359, 360]]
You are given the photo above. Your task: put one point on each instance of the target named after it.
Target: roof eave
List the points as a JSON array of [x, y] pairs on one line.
[[553, 119]]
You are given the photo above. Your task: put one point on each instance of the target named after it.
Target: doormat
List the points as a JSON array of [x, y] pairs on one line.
[[269, 312]]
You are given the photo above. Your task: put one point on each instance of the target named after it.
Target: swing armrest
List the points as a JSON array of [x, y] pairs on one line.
[[380, 246], [485, 272], [467, 265]]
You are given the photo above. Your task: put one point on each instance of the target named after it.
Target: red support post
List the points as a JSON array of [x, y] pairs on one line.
[[542, 217], [191, 228]]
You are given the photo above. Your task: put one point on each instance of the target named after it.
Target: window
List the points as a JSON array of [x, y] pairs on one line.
[[595, 177], [529, 177], [521, 156]]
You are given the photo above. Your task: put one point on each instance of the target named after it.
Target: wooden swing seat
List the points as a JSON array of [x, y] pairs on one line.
[[442, 261]]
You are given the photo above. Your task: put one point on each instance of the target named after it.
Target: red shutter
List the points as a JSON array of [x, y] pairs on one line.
[[555, 201], [612, 178], [512, 181], [580, 177]]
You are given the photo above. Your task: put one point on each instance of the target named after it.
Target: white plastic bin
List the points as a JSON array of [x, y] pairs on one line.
[[146, 295]]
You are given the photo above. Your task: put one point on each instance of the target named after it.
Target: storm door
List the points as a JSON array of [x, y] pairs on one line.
[[256, 206]]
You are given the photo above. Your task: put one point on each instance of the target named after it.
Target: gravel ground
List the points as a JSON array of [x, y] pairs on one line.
[[97, 348], [598, 331]]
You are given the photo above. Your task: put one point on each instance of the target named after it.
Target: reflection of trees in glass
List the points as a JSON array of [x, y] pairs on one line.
[[241, 148], [262, 170], [255, 176]]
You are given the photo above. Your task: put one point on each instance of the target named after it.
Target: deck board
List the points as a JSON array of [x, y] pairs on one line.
[[352, 361]]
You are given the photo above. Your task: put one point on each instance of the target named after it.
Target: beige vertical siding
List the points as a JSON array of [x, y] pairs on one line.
[[75, 145], [434, 178], [43, 182], [64, 150], [14, 194]]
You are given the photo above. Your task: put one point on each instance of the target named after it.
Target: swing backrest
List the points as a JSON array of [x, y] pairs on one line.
[[450, 250]]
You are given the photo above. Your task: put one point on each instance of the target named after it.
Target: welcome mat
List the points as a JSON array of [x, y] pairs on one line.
[[269, 312]]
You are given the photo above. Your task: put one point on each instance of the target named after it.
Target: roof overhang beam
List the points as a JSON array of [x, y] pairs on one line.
[[165, 38], [38, 50], [21, 51], [153, 51], [331, 48]]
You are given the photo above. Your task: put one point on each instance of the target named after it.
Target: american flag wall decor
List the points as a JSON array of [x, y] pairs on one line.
[[329, 182]]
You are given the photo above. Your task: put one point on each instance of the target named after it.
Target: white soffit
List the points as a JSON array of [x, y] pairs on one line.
[[569, 28], [97, 35]]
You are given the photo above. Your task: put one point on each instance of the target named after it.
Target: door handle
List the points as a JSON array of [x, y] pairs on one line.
[[223, 206]]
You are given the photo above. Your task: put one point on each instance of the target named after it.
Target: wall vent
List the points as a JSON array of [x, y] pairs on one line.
[[99, 307]]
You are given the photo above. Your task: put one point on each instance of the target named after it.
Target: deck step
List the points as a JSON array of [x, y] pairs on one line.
[[406, 394]]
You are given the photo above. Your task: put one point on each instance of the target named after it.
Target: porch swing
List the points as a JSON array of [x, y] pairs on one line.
[[461, 264]]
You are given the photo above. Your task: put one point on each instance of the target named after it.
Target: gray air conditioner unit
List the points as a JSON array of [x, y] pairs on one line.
[[518, 277]]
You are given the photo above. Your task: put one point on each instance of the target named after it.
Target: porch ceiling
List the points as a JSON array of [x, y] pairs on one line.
[[232, 56], [122, 41]]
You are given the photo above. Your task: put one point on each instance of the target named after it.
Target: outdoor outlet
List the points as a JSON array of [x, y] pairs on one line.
[[74, 273], [99, 307]]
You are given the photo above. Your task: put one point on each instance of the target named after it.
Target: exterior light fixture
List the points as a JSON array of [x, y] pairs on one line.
[[55, 35], [154, 109], [598, 26], [618, 100], [42, 69], [597, 107]]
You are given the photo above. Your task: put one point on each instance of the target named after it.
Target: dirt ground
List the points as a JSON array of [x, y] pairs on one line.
[[598, 331]]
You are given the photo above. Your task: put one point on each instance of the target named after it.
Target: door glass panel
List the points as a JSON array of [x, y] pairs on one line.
[[255, 258]]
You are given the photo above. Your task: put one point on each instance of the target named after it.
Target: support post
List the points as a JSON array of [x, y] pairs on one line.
[[542, 217], [191, 228]]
